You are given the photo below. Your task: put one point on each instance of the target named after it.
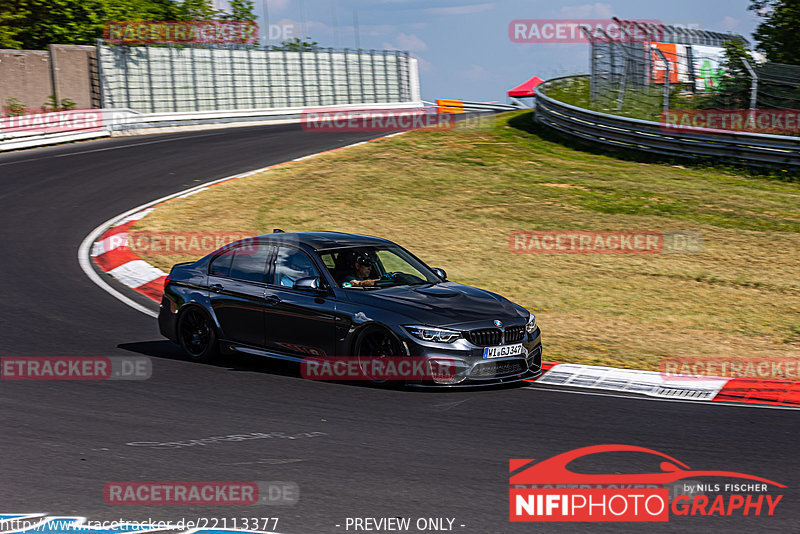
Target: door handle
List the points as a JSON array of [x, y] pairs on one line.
[[272, 299], [216, 287]]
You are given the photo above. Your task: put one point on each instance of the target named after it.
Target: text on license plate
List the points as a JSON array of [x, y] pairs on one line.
[[504, 351]]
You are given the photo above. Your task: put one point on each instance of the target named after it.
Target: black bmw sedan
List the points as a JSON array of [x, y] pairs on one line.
[[329, 295]]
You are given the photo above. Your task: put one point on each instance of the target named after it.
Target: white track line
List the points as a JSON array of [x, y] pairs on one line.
[[85, 248]]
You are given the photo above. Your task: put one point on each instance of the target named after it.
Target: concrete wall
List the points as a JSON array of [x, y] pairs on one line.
[[27, 75]]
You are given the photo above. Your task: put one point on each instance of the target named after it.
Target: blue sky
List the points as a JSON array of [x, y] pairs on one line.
[[463, 47]]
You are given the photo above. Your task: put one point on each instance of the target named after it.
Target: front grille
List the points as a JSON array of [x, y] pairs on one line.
[[498, 369], [515, 334], [485, 337], [491, 337]]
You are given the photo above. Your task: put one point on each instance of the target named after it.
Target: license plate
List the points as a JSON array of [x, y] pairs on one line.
[[504, 351]]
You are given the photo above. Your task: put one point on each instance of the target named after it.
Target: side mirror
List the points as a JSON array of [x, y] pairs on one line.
[[309, 283], [440, 273]]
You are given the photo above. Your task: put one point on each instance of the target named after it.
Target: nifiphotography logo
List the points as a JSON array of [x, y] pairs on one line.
[[549, 491]]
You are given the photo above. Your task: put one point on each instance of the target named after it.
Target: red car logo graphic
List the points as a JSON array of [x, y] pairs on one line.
[[554, 470]]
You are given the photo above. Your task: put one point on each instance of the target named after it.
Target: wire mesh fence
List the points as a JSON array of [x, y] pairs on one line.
[[156, 79], [677, 69]]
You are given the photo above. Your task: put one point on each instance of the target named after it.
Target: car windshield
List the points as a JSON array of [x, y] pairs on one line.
[[383, 266]]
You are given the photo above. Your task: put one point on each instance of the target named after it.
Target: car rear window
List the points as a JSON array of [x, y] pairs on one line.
[[221, 265], [250, 263]]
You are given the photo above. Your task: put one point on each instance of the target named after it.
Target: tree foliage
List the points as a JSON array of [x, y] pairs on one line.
[[736, 80], [777, 34], [34, 24], [296, 44], [241, 10]]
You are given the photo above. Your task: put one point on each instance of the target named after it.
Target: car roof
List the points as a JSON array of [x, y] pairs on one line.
[[325, 240]]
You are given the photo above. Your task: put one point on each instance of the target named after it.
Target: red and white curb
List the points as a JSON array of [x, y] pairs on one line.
[[675, 387], [106, 246]]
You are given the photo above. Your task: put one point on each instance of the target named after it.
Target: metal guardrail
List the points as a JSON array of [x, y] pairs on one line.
[[623, 132], [488, 106], [465, 105], [123, 121]]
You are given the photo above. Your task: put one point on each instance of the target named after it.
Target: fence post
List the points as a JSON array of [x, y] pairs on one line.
[[666, 78], [234, 88], [100, 86], [753, 85], [126, 51], [194, 79], [592, 65], [346, 53], [150, 81], [624, 82], [268, 69], [172, 77], [372, 72], [252, 77], [54, 76], [301, 57]]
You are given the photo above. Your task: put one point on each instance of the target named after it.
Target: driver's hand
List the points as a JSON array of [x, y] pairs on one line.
[[363, 283]]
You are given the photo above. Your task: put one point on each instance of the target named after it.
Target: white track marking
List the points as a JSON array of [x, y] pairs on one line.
[[534, 387]]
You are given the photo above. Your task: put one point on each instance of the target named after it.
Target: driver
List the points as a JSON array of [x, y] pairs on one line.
[[363, 269]]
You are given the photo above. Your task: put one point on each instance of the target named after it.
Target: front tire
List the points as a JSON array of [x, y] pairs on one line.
[[196, 334], [377, 342]]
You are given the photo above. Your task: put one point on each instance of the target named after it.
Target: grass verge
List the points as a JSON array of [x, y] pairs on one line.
[[454, 197]]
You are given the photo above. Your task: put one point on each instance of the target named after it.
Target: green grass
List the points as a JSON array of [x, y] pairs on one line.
[[454, 197]]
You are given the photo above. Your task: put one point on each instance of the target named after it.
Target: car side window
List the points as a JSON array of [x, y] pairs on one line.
[[221, 265], [291, 265], [250, 262]]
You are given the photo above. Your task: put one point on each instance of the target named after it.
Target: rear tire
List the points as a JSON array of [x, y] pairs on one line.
[[196, 334]]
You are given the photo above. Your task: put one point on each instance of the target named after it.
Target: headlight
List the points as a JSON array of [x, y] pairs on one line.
[[438, 335], [531, 326]]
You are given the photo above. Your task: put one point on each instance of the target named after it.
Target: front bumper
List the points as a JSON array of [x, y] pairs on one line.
[[472, 369]]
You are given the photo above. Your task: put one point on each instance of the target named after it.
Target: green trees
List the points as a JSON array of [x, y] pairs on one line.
[[33, 24], [298, 45], [240, 10], [778, 34], [734, 90]]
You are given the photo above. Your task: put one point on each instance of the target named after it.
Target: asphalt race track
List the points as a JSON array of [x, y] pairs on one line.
[[377, 453]]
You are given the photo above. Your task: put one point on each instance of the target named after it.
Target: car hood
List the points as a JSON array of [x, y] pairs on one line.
[[445, 304]]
